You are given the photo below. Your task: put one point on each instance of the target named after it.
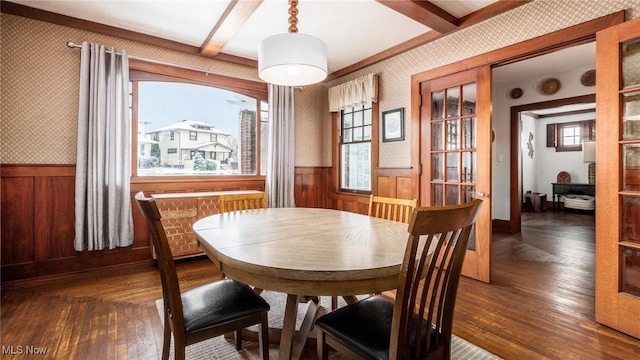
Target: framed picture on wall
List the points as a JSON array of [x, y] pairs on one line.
[[393, 125]]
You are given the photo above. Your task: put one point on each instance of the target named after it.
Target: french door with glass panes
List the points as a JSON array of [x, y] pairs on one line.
[[455, 154], [618, 177]]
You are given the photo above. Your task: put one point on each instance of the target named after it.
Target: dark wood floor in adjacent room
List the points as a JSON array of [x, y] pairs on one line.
[[540, 304]]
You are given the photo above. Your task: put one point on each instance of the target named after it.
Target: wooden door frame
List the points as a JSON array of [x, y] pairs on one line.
[[571, 36], [515, 196]]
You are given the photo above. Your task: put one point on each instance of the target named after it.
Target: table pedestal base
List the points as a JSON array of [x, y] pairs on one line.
[[292, 342]]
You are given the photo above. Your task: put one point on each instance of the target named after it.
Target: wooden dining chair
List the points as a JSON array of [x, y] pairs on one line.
[[206, 311], [242, 202], [418, 323], [391, 208]]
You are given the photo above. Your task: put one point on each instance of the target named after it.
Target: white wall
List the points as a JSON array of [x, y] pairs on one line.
[[540, 171], [546, 171], [550, 162], [528, 164]]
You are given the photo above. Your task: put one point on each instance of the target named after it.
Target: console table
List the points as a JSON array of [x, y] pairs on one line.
[[569, 188]]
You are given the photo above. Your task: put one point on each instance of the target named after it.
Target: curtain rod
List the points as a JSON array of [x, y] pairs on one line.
[[73, 45]]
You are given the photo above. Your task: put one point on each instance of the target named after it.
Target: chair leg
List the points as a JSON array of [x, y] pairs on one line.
[[321, 346], [263, 337], [180, 347], [180, 353], [334, 303], [166, 340], [238, 338]]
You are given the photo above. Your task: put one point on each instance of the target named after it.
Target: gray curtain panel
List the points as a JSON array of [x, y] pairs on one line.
[[103, 165], [281, 162]]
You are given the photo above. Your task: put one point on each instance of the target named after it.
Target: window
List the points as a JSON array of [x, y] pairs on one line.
[[264, 133], [194, 124], [355, 149], [197, 154], [570, 135]]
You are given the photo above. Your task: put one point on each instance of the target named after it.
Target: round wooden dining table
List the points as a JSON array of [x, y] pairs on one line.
[[304, 252]]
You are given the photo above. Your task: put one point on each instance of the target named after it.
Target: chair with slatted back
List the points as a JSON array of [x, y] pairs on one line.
[[242, 202], [206, 311], [236, 202], [391, 208], [418, 323]]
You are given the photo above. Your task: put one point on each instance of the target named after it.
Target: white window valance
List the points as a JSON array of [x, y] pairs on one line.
[[356, 92]]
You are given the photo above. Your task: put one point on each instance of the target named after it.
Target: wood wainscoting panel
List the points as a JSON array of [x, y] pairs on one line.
[[312, 186], [38, 210], [355, 203], [394, 183], [38, 225], [55, 218], [17, 220], [389, 182], [38, 215]]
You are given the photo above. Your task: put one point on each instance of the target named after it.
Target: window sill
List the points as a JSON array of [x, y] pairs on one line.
[[190, 178], [353, 192], [568, 148]]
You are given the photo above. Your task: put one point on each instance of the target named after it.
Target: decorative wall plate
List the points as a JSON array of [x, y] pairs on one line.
[[515, 93], [563, 177], [588, 78], [549, 86]]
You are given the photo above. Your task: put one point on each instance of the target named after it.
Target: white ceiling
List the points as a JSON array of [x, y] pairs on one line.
[[353, 29], [543, 66], [546, 65]]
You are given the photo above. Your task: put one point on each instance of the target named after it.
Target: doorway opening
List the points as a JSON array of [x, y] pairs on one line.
[[520, 90], [539, 163], [553, 248]]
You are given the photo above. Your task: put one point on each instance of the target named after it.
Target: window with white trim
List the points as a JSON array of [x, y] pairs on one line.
[[355, 149]]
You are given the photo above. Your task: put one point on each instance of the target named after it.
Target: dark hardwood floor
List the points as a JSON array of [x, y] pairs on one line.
[[539, 305], [541, 302]]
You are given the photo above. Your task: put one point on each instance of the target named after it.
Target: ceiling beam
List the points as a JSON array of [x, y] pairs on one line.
[[424, 12], [475, 17], [234, 16], [561, 113]]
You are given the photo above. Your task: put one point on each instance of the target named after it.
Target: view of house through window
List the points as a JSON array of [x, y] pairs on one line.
[[355, 149], [193, 129]]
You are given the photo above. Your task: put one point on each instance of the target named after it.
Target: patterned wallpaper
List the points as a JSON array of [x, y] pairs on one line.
[[39, 87], [310, 103], [39, 78], [525, 22]]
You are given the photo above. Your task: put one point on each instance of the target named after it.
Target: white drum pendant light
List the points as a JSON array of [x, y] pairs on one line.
[[292, 59]]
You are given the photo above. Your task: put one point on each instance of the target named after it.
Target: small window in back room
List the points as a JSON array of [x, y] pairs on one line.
[[570, 135]]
